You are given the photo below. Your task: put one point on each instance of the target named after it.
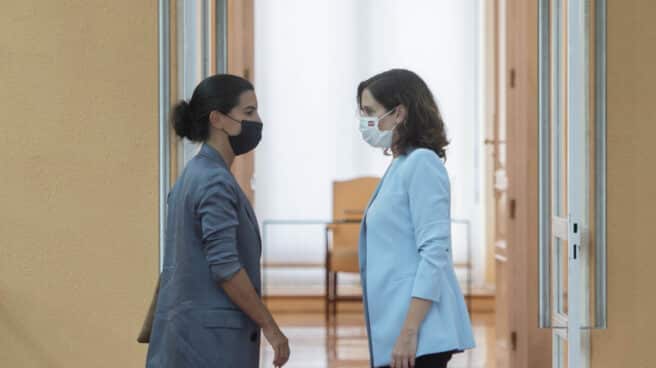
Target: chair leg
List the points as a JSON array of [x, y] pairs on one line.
[[335, 297], [327, 299], [331, 321], [331, 296]]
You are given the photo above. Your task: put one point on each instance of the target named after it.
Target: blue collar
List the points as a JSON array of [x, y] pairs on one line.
[[211, 153]]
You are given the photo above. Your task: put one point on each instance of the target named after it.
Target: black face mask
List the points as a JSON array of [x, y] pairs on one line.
[[248, 139]]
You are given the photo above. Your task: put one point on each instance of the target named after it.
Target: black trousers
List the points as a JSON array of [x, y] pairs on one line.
[[438, 360]]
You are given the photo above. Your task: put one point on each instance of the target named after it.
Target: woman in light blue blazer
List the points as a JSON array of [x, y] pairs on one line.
[[415, 312]]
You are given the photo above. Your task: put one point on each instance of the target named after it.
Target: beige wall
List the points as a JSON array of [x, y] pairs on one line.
[[629, 340], [78, 202]]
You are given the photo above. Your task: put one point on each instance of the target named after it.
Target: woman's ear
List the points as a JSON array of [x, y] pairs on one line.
[[401, 114], [216, 120]]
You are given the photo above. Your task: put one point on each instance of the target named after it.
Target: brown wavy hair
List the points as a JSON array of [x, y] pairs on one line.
[[423, 127]]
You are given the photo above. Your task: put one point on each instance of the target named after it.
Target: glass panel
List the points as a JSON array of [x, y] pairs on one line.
[[559, 254], [559, 152], [563, 282], [559, 123]]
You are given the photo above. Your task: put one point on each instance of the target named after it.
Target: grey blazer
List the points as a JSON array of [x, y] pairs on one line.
[[211, 234]]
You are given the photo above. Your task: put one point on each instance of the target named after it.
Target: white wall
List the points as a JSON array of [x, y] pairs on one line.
[[309, 58]]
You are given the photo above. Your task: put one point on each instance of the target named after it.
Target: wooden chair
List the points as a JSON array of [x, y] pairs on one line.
[[342, 235]]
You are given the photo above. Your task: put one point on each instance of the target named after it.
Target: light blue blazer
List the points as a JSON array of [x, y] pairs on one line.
[[405, 252]]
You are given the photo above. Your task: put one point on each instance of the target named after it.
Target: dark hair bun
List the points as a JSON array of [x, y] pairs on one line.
[[182, 120]]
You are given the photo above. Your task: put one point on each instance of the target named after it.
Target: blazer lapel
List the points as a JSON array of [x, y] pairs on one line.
[[373, 196], [362, 248], [251, 217]]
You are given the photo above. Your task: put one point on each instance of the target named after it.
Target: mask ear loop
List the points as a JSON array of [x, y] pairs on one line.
[[394, 132], [401, 122], [236, 121], [404, 120], [389, 112], [378, 119]]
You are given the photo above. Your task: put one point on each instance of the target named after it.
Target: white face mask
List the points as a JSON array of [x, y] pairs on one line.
[[372, 134]]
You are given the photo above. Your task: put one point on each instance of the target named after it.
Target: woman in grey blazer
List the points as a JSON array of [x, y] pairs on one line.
[[209, 312]]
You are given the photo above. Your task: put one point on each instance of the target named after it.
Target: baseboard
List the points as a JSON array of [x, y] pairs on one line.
[[482, 302]]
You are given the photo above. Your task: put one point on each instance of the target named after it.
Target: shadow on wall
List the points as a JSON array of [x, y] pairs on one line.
[[30, 347]]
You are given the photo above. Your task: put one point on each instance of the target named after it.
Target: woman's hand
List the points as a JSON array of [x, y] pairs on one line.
[[241, 291], [405, 349], [279, 343], [403, 355]]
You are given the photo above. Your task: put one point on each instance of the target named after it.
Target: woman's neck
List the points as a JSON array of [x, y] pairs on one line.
[[221, 144]]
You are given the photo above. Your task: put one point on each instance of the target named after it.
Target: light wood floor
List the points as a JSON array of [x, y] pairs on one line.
[[346, 345]]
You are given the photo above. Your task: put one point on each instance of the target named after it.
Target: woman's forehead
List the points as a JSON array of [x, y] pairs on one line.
[[248, 98], [367, 100]]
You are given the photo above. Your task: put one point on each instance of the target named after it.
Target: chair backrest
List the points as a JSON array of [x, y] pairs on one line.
[[350, 197], [344, 249], [345, 236]]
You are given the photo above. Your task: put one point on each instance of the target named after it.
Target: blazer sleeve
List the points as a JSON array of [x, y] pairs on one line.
[[219, 218], [429, 202]]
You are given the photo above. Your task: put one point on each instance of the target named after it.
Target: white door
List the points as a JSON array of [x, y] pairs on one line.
[[572, 175]]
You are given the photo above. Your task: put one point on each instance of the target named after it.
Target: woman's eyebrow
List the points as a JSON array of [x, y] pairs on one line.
[[250, 107]]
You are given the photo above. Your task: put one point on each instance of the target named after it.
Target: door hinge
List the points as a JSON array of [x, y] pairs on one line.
[[513, 206], [513, 77], [247, 73], [513, 340]]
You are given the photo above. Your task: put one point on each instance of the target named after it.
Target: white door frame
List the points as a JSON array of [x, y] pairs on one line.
[[565, 31], [577, 183]]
